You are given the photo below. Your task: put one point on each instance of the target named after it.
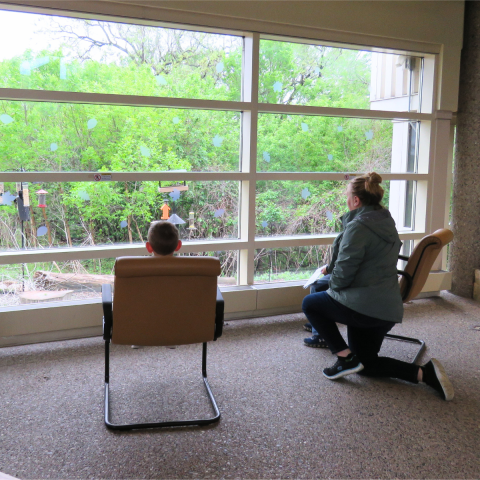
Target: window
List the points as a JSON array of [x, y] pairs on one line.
[[248, 140]]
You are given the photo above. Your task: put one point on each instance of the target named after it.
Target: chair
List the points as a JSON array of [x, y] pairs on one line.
[[163, 301], [416, 272]]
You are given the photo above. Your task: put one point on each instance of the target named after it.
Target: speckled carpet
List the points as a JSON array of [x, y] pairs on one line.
[[281, 418]]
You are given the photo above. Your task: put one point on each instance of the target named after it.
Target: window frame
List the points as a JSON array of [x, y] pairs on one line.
[[247, 243]]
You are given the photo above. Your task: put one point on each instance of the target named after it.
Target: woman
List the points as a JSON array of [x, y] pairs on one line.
[[364, 294]]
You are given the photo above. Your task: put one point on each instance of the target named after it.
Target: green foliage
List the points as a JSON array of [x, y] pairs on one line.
[[161, 62]]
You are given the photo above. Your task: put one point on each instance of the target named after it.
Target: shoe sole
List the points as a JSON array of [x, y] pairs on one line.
[[343, 373], [445, 383], [314, 346], [307, 329]]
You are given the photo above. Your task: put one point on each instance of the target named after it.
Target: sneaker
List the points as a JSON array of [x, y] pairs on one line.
[[434, 376], [307, 327], [343, 366], [315, 341]]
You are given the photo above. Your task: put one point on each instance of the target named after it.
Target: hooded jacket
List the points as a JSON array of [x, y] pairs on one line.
[[364, 271]]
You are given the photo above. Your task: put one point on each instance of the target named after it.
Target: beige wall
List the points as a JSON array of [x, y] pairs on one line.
[[432, 26]]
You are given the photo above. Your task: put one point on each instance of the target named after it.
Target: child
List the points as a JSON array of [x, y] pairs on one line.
[[163, 239]]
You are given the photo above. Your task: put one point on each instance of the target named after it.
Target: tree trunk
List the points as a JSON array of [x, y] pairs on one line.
[[47, 223], [65, 221], [129, 225], [138, 230]]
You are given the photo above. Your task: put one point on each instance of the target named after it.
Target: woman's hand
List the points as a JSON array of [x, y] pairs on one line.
[[324, 270]]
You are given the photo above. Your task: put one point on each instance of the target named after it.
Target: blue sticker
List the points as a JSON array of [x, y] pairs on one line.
[[92, 123], [277, 87], [220, 67], [264, 224], [305, 193], [369, 135], [123, 224], [6, 119], [266, 156], [145, 151], [161, 80], [217, 141], [175, 195], [330, 215], [8, 198], [41, 231], [219, 212], [317, 70], [25, 68], [340, 128], [84, 195], [304, 127], [330, 157], [39, 62], [175, 120], [53, 147]]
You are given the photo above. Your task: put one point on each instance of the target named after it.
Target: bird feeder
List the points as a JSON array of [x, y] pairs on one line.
[[42, 195], [191, 219]]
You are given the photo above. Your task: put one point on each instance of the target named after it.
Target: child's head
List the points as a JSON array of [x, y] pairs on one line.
[[163, 239]]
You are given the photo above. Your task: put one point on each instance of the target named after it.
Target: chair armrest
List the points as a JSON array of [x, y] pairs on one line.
[[403, 257], [219, 309], [409, 281], [107, 311]]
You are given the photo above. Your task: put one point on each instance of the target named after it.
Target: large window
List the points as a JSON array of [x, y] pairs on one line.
[[245, 141]]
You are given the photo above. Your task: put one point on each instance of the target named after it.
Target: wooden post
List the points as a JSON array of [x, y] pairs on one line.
[[33, 228]]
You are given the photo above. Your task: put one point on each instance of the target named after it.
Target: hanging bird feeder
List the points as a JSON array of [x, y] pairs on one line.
[[42, 198]]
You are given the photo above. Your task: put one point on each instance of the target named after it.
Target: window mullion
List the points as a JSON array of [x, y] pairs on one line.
[[249, 157]]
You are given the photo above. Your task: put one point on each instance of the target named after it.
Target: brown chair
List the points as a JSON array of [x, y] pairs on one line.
[[163, 301], [416, 272]]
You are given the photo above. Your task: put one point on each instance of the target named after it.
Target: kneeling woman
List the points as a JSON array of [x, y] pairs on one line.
[[364, 294]]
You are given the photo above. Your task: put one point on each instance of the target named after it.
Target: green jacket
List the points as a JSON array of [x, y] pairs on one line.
[[364, 265]]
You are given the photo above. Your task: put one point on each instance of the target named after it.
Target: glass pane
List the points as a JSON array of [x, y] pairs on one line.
[[297, 143], [74, 137], [299, 208], [58, 53], [229, 264], [308, 208], [400, 200], [301, 74], [46, 282], [106, 213], [289, 264]]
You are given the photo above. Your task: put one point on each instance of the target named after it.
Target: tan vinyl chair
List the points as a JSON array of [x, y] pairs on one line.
[[163, 301], [416, 272]]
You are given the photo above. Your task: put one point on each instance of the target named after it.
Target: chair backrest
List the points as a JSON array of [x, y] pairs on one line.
[[164, 300], [421, 260]]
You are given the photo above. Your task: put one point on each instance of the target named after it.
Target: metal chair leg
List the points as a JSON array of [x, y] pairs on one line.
[[179, 423], [416, 341]]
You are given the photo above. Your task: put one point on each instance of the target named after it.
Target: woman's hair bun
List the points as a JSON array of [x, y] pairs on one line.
[[373, 178]]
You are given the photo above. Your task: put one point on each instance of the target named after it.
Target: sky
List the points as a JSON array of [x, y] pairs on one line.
[[17, 34]]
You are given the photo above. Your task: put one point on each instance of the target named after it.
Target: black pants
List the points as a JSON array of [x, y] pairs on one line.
[[365, 336]]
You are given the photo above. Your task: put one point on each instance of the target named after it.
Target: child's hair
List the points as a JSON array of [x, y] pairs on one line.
[[367, 188], [163, 237]]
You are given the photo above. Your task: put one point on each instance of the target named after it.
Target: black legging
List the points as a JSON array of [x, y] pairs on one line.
[[365, 336]]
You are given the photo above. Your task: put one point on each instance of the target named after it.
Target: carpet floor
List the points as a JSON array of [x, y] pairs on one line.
[[281, 418]]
